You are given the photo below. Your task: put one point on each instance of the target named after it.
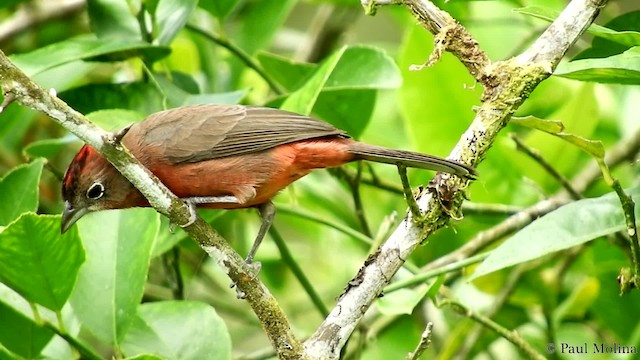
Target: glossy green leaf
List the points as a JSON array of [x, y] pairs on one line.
[[145, 357], [85, 48], [33, 245], [258, 25], [260, 21], [400, 302], [138, 96], [549, 126], [118, 245], [48, 148], [349, 110], [563, 228], [617, 69], [219, 8], [111, 19], [363, 67], [170, 17], [19, 191], [114, 119], [303, 99], [144, 98], [285, 71], [178, 330], [555, 127], [20, 334], [627, 38], [10, 3]]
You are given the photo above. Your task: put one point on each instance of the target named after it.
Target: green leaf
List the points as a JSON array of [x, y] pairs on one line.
[[549, 126], [555, 127], [566, 227], [287, 72], [85, 48], [114, 119], [10, 3], [138, 96], [178, 330], [48, 148], [118, 245], [303, 99], [145, 357], [617, 69], [349, 110], [219, 8], [19, 191], [627, 38], [170, 17], [363, 67], [39, 263], [22, 335], [111, 19], [400, 302]]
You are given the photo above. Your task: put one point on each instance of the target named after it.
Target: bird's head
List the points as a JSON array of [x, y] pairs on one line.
[[91, 183]]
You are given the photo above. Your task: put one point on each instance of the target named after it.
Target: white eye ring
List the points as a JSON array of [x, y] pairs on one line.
[[96, 191]]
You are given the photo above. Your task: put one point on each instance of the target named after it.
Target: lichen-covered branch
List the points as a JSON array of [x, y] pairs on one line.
[[507, 84], [17, 86]]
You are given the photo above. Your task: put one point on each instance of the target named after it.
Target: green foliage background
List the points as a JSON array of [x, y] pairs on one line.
[[121, 284]]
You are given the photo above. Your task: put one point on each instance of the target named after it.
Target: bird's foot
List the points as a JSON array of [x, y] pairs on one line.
[[251, 269]]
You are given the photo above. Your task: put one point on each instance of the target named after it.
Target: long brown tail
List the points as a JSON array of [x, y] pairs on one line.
[[381, 154]]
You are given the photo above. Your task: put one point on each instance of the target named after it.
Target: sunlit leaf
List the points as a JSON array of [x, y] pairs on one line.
[[178, 330], [118, 245], [170, 17], [85, 48], [563, 228], [19, 191], [617, 69], [33, 245], [627, 38], [22, 335]]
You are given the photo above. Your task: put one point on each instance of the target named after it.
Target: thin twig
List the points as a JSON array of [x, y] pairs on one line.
[[423, 344], [512, 336], [85, 351], [240, 54], [537, 157], [290, 261]]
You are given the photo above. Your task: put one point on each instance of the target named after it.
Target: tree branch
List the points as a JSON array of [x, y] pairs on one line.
[[506, 85], [17, 85]]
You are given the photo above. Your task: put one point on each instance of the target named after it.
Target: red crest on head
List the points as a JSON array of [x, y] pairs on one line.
[[74, 171]]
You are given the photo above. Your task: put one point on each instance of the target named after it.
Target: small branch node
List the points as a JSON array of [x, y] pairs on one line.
[[8, 99], [53, 92]]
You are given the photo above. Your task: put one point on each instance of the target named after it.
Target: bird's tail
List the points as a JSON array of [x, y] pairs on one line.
[[381, 154]]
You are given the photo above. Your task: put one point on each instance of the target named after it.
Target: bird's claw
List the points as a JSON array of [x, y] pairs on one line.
[[251, 268], [193, 215]]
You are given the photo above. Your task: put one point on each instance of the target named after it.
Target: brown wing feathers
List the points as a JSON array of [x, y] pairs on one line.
[[205, 132]]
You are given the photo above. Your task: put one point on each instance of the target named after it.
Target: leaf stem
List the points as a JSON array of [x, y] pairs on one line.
[[240, 54], [297, 272], [85, 351]]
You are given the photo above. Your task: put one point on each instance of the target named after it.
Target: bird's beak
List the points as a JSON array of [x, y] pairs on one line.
[[70, 216]]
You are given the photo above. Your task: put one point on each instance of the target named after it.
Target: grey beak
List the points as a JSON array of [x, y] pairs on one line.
[[70, 216]]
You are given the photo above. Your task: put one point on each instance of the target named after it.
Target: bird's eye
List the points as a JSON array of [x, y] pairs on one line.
[[96, 191]]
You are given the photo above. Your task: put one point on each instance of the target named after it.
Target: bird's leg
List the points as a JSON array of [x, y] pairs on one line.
[[267, 212], [408, 194], [192, 202]]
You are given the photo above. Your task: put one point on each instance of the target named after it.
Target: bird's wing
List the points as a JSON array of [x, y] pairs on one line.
[[204, 132]]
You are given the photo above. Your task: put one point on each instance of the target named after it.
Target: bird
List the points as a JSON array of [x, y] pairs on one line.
[[225, 157]]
